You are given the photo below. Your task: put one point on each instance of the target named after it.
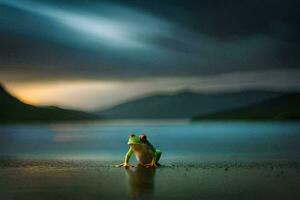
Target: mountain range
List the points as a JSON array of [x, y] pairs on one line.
[[285, 107], [242, 105], [13, 110], [185, 104]]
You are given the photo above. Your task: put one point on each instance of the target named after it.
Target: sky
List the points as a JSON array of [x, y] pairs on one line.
[[89, 54]]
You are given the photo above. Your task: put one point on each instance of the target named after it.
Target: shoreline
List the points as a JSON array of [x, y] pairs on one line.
[[90, 163]]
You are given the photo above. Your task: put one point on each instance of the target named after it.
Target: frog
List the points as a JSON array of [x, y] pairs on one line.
[[146, 154]]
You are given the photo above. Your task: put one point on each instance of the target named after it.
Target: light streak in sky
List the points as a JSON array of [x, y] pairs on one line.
[[108, 31]]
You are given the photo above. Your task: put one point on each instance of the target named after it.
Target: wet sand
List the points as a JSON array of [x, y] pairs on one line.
[[90, 179]]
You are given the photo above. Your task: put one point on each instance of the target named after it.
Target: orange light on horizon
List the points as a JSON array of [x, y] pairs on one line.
[[25, 93], [59, 93]]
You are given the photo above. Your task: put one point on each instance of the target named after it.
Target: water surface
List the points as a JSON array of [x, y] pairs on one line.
[[207, 160], [178, 140]]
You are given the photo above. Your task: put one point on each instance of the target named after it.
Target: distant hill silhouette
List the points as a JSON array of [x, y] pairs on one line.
[[185, 104], [285, 107], [13, 110]]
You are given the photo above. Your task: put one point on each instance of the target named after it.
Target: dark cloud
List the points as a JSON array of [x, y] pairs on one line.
[[227, 19], [135, 38]]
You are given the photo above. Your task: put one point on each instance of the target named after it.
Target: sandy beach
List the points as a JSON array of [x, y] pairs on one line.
[[91, 179]]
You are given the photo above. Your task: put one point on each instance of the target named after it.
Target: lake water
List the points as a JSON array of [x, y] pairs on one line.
[[180, 141], [207, 160]]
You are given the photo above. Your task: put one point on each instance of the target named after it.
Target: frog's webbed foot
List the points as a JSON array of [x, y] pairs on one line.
[[125, 165], [151, 165]]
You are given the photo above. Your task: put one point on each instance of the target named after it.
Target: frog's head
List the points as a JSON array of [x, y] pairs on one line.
[[134, 140]]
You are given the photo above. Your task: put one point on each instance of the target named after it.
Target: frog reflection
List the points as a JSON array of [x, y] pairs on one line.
[[140, 182]]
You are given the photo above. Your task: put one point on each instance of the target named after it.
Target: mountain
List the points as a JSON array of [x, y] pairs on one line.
[[285, 107], [185, 104], [13, 110]]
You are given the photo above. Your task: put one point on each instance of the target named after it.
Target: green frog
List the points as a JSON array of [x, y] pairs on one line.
[[146, 154]]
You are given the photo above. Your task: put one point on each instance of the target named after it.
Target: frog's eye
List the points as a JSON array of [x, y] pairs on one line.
[[131, 135], [143, 137]]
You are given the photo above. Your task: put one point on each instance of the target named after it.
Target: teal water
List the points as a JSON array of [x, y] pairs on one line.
[[180, 141], [207, 160]]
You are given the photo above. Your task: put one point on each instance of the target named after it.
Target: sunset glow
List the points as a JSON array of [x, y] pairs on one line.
[[95, 94], [69, 93]]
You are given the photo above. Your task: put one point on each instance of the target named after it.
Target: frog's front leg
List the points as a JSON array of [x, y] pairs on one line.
[[154, 163], [126, 160]]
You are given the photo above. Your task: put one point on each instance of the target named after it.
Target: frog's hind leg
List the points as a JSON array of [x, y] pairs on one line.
[[158, 155]]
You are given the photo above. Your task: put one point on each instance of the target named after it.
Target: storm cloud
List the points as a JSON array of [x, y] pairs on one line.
[[142, 39]]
